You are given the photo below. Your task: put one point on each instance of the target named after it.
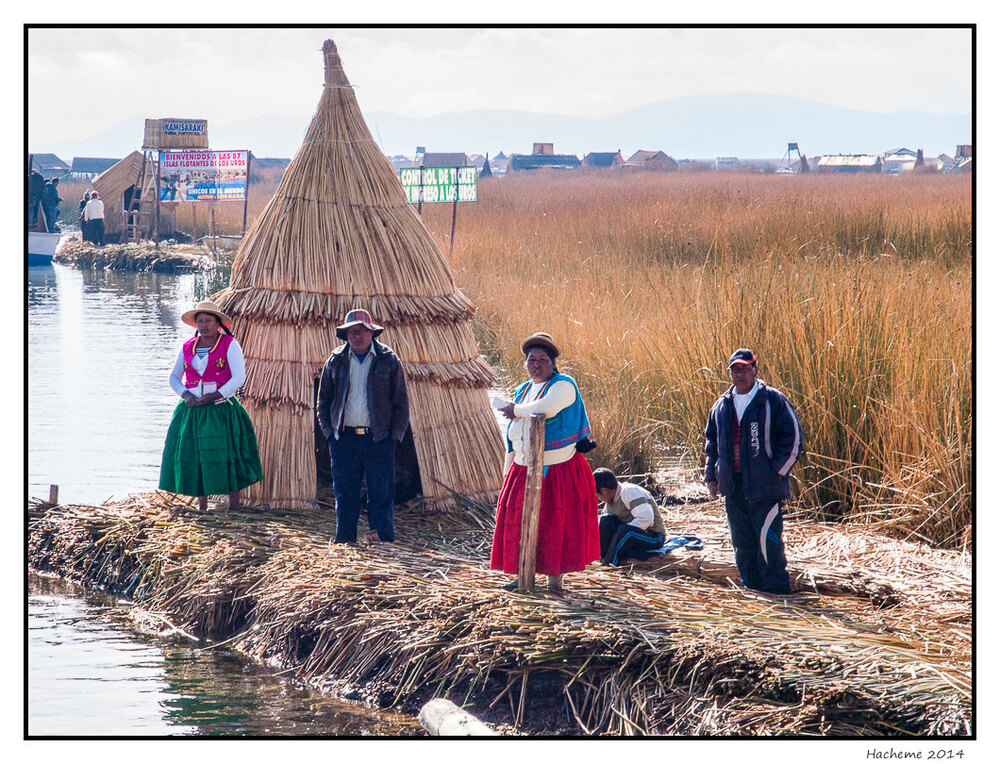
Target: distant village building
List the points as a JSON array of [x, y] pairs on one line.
[[529, 162], [849, 163], [444, 159], [651, 160], [498, 164], [963, 159], [542, 157], [901, 160], [604, 160], [268, 163], [49, 165], [88, 168]]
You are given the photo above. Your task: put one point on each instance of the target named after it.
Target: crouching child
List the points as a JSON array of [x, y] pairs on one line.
[[631, 520]]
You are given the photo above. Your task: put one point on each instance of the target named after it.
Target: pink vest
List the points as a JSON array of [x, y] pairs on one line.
[[217, 371]]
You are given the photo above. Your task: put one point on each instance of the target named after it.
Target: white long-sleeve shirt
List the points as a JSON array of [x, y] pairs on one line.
[[234, 357], [94, 210], [559, 396]]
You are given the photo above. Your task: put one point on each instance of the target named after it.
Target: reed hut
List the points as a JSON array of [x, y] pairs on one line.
[[119, 183], [339, 234]]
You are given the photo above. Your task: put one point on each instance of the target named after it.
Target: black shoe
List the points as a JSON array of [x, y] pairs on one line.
[[510, 586]]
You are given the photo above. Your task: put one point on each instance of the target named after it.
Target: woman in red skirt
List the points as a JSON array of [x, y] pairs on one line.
[[568, 537]]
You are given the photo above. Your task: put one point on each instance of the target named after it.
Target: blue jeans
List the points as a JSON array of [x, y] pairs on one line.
[[351, 458]]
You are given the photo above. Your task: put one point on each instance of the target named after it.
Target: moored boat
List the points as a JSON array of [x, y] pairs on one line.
[[42, 246]]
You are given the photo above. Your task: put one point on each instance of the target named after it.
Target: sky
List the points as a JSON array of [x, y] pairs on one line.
[[231, 75]]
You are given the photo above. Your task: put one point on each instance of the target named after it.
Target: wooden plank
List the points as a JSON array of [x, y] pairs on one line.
[[53, 494], [532, 503]]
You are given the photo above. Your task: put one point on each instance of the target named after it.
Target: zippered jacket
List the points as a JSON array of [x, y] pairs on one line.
[[770, 443], [388, 402]]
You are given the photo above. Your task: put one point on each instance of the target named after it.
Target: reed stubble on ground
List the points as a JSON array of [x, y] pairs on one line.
[[665, 647], [855, 292]]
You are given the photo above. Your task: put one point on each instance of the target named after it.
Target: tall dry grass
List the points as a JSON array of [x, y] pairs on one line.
[[855, 292]]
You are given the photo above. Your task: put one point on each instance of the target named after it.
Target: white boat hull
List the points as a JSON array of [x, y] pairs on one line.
[[42, 246]]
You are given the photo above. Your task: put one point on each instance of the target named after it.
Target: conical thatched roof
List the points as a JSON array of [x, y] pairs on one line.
[[339, 234]]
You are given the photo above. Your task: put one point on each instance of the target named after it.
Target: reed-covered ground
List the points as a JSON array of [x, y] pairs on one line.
[[855, 293], [875, 641]]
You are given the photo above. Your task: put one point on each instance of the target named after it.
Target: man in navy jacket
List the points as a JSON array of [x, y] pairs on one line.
[[364, 411], [752, 440]]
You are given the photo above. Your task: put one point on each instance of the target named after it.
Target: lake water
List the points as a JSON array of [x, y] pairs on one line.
[[89, 673], [100, 349]]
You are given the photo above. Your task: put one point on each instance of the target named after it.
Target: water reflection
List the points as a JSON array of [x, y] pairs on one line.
[[100, 348], [90, 674]]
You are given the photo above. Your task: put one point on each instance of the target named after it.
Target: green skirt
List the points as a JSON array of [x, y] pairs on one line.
[[210, 450]]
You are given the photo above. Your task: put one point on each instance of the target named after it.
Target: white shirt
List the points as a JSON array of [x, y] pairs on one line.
[[559, 396], [742, 401], [356, 412], [94, 210], [234, 357], [637, 500]]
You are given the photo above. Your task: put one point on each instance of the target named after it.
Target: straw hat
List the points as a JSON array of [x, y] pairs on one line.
[[355, 317], [543, 339], [206, 307]]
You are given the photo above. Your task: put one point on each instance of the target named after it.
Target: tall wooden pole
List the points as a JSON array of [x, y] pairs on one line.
[[532, 503], [246, 198], [454, 212], [194, 221], [156, 222], [420, 192]]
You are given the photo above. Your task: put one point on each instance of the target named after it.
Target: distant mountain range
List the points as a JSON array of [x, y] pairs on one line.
[[741, 125]]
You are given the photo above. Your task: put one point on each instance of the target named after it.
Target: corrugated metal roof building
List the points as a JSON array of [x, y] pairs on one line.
[[90, 167], [849, 163]]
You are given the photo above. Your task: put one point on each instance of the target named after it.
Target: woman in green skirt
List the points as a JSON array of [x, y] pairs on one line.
[[211, 447]]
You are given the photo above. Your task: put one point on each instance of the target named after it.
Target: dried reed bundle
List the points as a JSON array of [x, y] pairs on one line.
[[339, 234], [625, 652], [140, 258]]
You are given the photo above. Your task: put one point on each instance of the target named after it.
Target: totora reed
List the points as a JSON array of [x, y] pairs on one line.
[[875, 641]]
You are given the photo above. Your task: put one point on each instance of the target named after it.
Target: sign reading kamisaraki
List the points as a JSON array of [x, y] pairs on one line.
[[203, 176], [439, 184]]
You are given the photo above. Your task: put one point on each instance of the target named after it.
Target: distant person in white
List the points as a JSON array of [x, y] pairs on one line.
[[93, 215]]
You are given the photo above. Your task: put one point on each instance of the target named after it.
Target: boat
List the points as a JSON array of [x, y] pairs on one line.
[[42, 246], [42, 243]]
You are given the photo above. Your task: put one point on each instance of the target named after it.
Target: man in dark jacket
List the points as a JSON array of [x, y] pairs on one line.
[[364, 411], [751, 443]]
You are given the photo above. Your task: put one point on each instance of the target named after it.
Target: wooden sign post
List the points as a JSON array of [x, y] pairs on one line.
[[532, 503]]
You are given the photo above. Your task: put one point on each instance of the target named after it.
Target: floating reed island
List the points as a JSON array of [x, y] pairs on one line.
[[874, 641], [143, 257]]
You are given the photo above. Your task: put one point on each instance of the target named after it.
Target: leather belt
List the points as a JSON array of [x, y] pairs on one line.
[[357, 430]]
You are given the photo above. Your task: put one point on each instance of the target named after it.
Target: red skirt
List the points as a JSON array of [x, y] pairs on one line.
[[568, 538]]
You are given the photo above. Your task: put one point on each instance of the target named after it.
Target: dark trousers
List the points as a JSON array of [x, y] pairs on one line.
[[51, 215], [353, 457], [619, 539], [97, 231], [755, 528]]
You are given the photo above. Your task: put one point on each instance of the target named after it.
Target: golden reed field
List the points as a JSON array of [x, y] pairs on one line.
[[854, 291]]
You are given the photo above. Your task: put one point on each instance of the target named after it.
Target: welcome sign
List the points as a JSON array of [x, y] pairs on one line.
[[203, 176]]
